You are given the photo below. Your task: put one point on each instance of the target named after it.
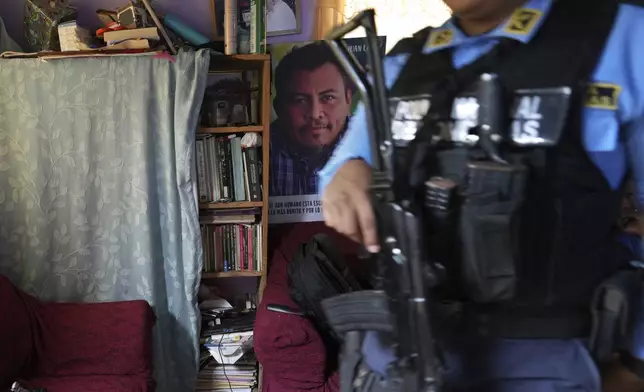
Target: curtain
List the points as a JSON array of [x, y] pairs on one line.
[[97, 198]]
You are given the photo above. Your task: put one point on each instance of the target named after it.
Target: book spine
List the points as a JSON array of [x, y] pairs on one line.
[[257, 26], [211, 154], [249, 244], [227, 254], [228, 159], [224, 162], [230, 26], [219, 254], [201, 172], [238, 168], [254, 181], [242, 248]]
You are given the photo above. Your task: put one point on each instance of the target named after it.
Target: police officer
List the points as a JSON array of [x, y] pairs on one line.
[[602, 139]]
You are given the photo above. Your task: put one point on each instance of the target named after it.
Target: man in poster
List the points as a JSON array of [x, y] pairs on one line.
[[313, 103]]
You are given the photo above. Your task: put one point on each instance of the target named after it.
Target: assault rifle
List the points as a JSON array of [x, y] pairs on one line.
[[405, 273]]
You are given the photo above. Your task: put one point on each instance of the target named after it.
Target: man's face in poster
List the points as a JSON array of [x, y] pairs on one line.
[[316, 106]]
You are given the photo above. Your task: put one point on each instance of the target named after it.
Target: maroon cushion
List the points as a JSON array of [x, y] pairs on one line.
[[92, 384], [111, 338], [15, 333]]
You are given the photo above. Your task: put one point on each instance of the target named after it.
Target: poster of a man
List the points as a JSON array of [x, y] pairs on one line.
[[312, 102], [313, 99]]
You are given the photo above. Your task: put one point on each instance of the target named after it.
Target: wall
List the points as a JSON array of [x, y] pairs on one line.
[[194, 12]]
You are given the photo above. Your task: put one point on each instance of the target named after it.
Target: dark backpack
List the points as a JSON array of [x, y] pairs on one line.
[[317, 272]]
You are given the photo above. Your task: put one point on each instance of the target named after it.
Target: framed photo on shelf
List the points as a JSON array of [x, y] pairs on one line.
[[283, 17]]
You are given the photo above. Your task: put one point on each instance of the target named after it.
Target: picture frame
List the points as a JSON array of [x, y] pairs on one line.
[[286, 18], [279, 17]]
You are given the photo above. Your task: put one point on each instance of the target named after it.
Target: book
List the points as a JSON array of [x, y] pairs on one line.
[[232, 247], [230, 26], [150, 33], [129, 44], [257, 26], [227, 172]]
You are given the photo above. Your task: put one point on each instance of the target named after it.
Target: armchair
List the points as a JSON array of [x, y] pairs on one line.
[[62, 347]]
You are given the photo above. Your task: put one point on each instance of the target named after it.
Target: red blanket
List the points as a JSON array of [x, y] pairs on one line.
[[288, 347]]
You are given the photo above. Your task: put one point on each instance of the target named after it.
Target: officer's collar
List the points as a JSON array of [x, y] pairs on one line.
[[521, 26]]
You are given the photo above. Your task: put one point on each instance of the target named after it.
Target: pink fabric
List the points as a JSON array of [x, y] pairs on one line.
[[103, 347], [288, 347]]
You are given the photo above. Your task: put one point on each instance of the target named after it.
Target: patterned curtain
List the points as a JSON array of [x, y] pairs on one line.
[[399, 19], [96, 189]]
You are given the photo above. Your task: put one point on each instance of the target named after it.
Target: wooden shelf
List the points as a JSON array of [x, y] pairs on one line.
[[246, 128], [231, 274], [241, 57], [237, 62], [230, 205]]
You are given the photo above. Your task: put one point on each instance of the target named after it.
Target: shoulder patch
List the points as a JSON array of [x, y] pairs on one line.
[[523, 21], [603, 96], [440, 37]]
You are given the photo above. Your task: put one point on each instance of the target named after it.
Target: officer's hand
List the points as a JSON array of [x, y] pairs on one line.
[[347, 206], [618, 378]]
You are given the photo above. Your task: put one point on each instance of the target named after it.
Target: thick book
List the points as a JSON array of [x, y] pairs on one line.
[[257, 26], [254, 177]]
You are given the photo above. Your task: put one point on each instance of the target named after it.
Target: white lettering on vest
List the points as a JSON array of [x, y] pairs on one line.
[[527, 122], [407, 117], [465, 116]]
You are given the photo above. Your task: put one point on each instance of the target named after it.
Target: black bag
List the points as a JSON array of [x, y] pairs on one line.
[[318, 272]]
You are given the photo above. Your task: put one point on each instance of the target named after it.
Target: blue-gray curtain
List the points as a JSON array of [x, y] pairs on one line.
[[97, 198]]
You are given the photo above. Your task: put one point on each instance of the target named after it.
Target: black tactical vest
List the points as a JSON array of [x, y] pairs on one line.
[[563, 238]]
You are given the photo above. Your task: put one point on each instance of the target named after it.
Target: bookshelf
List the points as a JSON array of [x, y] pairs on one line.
[[245, 234], [259, 63]]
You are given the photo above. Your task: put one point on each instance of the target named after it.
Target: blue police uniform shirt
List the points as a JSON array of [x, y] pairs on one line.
[[613, 135], [621, 66]]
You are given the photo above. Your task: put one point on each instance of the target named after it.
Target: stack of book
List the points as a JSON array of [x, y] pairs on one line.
[[239, 377], [227, 361], [225, 171], [232, 240]]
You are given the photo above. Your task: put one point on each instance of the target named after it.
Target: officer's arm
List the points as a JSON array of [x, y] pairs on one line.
[[354, 145], [356, 141]]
